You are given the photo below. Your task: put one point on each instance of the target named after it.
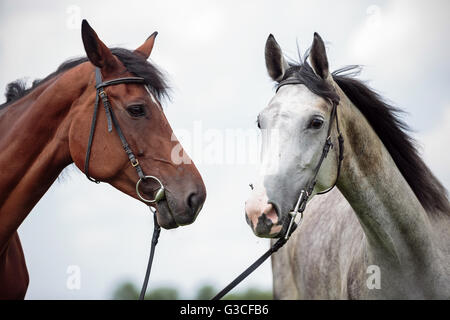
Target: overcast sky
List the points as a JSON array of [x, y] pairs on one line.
[[213, 54]]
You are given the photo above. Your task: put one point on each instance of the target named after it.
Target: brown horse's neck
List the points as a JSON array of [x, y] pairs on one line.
[[34, 146]]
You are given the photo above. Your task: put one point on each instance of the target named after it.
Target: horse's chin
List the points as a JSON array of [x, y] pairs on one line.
[[282, 230], [165, 216], [280, 234]]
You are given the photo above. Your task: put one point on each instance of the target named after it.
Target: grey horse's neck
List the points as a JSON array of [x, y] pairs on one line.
[[397, 227]]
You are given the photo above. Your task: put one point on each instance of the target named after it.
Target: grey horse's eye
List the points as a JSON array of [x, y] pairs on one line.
[[316, 123]]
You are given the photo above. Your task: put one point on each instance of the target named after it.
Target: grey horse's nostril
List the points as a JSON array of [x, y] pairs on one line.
[[267, 221], [263, 226]]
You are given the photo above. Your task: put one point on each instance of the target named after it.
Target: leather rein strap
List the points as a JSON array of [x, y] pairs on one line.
[[303, 197], [100, 86], [156, 232]]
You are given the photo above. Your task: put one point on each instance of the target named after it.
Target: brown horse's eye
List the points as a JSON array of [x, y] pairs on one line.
[[316, 123], [136, 111]]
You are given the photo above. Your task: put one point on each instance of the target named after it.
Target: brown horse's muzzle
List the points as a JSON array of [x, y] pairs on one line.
[[181, 202]]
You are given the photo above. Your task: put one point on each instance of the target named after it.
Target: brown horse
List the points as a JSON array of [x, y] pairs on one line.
[[45, 128]]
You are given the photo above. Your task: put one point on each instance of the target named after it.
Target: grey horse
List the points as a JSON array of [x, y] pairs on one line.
[[384, 232]]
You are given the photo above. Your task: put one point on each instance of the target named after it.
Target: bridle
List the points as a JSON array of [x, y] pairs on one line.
[[305, 193], [100, 85]]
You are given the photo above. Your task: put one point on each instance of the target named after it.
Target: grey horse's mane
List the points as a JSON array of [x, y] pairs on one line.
[[390, 128]]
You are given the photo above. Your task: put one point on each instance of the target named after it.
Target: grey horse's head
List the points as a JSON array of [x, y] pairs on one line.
[[294, 126]]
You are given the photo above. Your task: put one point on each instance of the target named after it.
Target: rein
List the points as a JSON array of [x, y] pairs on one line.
[[100, 85], [302, 199]]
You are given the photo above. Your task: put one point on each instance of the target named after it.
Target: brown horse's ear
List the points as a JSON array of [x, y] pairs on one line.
[[146, 48], [97, 52], [318, 57], [275, 63]]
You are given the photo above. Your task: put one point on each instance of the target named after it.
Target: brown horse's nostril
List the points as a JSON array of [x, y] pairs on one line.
[[195, 201]]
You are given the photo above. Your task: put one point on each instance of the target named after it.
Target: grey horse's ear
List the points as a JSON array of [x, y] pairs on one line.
[[318, 57], [275, 63]]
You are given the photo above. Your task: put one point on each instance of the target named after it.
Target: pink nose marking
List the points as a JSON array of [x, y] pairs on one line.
[[258, 205], [270, 212], [255, 205]]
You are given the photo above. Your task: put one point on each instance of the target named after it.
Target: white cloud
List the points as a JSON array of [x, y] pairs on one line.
[[434, 144], [399, 39]]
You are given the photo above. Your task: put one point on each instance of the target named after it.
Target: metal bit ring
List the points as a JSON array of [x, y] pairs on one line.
[[160, 194]]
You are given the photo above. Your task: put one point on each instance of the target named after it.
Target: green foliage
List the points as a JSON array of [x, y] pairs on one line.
[[205, 292], [162, 293], [250, 294], [128, 291]]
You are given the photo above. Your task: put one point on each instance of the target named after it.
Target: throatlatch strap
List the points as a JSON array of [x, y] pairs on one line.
[[341, 151]]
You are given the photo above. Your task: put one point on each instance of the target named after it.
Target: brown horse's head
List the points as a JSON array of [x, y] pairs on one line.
[[144, 126]]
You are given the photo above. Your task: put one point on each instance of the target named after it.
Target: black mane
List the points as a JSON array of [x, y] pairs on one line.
[[387, 124], [134, 63]]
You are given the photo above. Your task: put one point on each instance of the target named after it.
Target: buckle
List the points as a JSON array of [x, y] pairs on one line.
[[102, 94], [134, 162]]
